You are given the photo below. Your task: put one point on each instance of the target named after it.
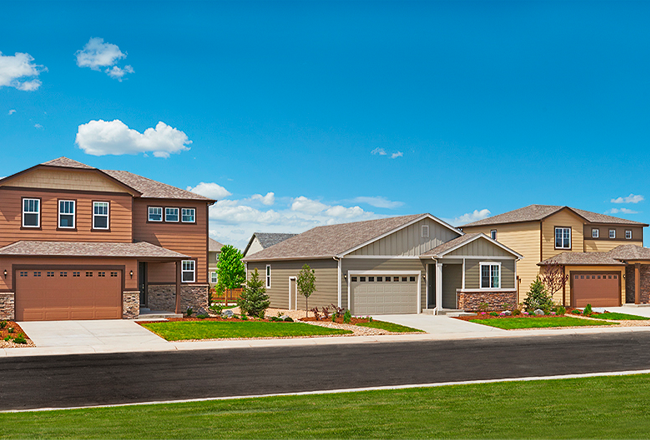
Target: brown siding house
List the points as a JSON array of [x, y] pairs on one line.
[[77, 242]]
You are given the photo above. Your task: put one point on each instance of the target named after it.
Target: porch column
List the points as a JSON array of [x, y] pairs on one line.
[[637, 285], [438, 286], [177, 309]]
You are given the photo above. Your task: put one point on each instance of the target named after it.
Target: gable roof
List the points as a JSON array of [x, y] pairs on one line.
[[540, 212], [214, 245], [458, 242], [630, 252], [140, 249], [268, 239], [64, 162], [337, 240]]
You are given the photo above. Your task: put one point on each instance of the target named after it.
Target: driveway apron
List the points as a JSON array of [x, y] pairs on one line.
[[439, 324]]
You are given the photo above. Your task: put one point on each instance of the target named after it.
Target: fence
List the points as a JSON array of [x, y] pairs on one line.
[[228, 296]]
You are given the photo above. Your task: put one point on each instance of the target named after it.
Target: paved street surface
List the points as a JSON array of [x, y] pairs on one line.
[[96, 379]]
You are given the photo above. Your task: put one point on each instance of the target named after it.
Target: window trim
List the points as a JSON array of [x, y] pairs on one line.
[[58, 215], [178, 214], [193, 271], [162, 214], [22, 210], [570, 237], [108, 216], [480, 275], [614, 234], [493, 234], [181, 215], [214, 278], [597, 231], [267, 276], [424, 228], [630, 231]]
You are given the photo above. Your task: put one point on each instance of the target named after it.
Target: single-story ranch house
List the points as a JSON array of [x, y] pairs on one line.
[[394, 265]]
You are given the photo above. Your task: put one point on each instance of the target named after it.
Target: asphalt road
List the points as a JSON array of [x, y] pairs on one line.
[[98, 379]]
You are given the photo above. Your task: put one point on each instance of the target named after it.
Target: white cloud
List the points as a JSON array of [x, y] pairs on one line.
[[268, 199], [632, 198], [396, 155], [303, 204], [378, 202], [621, 210], [98, 55], [211, 190], [14, 71], [469, 217], [12, 111], [100, 138], [379, 151], [38, 126]]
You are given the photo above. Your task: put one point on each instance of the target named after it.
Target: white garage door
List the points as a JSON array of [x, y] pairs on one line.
[[384, 294]]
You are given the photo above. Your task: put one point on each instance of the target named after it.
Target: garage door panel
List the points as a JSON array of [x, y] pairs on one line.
[[596, 288], [378, 298]]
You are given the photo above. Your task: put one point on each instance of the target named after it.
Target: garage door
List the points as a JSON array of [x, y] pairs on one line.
[[384, 294], [52, 295], [599, 289]]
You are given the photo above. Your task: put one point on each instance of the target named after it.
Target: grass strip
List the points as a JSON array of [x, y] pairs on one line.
[[619, 317], [389, 326], [184, 330], [602, 407], [516, 323]]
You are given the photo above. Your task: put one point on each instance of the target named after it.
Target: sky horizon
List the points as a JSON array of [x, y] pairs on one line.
[[300, 114]]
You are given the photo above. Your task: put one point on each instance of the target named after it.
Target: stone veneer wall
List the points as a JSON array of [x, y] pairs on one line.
[[163, 297], [644, 272], [130, 304], [470, 301], [7, 305]]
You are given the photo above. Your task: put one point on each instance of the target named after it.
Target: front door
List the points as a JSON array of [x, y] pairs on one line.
[[142, 283]]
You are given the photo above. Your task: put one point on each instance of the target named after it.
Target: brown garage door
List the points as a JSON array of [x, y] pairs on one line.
[[52, 295], [600, 289]]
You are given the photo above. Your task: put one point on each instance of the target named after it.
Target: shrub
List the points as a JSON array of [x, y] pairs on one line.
[[10, 330], [288, 319], [493, 314], [3, 324], [316, 313], [334, 316], [538, 298], [20, 339], [7, 338], [560, 310], [516, 312], [587, 310], [244, 317], [347, 317], [253, 299], [576, 312], [217, 308], [202, 316], [483, 307], [189, 312]]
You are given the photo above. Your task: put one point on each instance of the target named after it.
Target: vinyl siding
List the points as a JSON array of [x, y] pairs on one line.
[[637, 234], [452, 279], [256, 246], [607, 245], [481, 247], [409, 241], [621, 269], [473, 273], [564, 218], [75, 180], [326, 275]]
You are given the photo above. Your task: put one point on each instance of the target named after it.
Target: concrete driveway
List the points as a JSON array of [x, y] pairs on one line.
[[110, 332], [630, 310], [439, 324]]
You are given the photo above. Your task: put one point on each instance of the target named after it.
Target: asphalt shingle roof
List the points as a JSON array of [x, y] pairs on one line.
[[582, 259], [214, 245], [458, 241], [141, 249]]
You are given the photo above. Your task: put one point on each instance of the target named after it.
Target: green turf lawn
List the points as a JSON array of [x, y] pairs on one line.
[[183, 330], [396, 328], [560, 321], [603, 407], [619, 317]]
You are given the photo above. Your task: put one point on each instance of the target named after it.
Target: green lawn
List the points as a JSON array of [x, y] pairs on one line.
[[396, 328], [183, 330], [603, 407], [560, 321], [619, 317]]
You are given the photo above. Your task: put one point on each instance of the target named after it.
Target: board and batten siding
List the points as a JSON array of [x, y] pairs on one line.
[[473, 273], [326, 272], [480, 247], [66, 179], [409, 241]]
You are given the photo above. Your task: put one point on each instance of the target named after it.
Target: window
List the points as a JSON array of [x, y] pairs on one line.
[[63, 274], [562, 238], [490, 275], [187, 271], [213, 278], [362, 279], [76, 274], [425, 231], [412, 279], [396, 279], [37, 274], [66, 214], [628, 235], [155, 214], [380, 279], [50, 274], [595, 233], [493, 234], [23, 274], [171, 214], [404, 279], [188, 215], [612, 233], [371, 279], [31, 213], [387, 279], [100, 215], [354, 279], [101, 274], [114, 274], [89, 274], [268, 276]]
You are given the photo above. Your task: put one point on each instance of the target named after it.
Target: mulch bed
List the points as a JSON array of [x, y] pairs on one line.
[[185, 319], [339, 320], [17, 331], [532, 316]]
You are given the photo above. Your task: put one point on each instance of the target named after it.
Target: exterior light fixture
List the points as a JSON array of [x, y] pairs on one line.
[[5, 273], [131, 273]]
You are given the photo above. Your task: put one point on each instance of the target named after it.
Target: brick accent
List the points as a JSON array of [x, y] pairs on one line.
[[470, 301], [644, 272], [130, 304], [163, 297], [7, 305]]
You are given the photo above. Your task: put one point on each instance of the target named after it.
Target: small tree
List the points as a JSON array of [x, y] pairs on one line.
[[306, 284], [254, 301], [538, 297], [230, 270], [554, 278]]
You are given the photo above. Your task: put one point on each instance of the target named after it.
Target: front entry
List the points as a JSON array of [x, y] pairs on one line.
[[142, 283]]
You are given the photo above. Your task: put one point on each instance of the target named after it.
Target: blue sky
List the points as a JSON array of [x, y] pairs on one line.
[[306, 113]]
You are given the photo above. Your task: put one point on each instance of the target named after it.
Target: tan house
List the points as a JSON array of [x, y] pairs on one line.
[[214, 249], [592, 248], [395, 265], [77, 242]]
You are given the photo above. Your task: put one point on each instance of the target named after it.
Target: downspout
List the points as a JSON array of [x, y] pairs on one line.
[[437, 307], [338, 284]]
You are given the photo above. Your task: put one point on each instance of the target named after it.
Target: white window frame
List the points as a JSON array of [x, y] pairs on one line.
[[37, 212], [480, 275], [268, 276], [73, 214], [178, 215], [425, 231], [184, 271], [107, 215], [563, 228], [612, 233], [493, 234], [149, 214], [595, 233], [193, 215], [214, 277], [628, 234]]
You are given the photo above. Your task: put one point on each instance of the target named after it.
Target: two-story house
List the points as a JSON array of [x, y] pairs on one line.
[[600, 253], [77, 242]]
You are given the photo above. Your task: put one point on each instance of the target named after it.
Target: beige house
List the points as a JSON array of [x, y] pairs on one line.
[[586, 243], [389, 266], [214, 249], [262, 240]]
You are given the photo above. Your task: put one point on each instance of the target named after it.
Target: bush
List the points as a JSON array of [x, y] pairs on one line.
[[538, 298], [189, 312], [20, 339], [288, 319], [587, 311], [347, 317], [202, 316], [560, 310], [516, 312], [217, 308], [483, 307], [244, 317], [10, 330], [3, 324], [254, 300], [493, 314], [334, 316], [576, 312]]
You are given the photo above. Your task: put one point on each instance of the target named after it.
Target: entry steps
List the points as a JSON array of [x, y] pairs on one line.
[[448, 312], [149, 315]]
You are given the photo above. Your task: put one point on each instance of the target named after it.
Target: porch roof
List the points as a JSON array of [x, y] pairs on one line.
[[142, 249], [583, 259]]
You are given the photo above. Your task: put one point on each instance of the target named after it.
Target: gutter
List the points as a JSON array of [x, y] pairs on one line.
[[338, 284]]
